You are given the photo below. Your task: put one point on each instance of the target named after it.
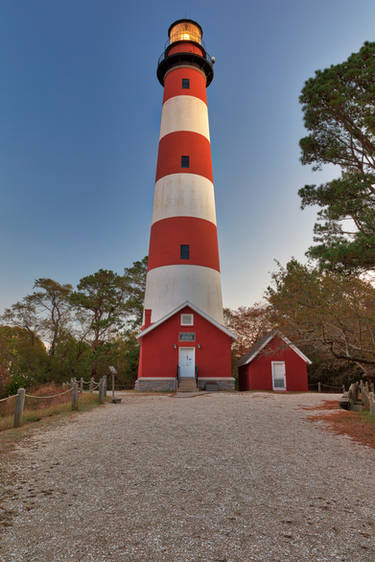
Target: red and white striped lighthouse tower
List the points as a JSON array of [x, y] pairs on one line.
[[183, 278]]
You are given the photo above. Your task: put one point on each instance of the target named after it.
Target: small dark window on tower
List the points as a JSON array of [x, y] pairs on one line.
[[186, 83], [185, 251], [185, 161]]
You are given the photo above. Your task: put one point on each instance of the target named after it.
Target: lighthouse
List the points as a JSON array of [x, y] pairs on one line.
[[184, 344]]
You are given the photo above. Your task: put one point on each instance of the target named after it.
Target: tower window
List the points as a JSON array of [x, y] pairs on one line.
[[185, 251], [185, 161], [186, 83]]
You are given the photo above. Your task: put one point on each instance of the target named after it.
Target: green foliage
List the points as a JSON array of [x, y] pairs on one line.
[[135, 278], [85, 330], [24, 315], [23, 360], [330, 371], [100, 301], [73, 358], [330, 313], [51, 300], [339, 113], [101, 296], [128, 358]]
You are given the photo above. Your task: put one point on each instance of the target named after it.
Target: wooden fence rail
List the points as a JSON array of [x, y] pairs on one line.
[[75, 387]]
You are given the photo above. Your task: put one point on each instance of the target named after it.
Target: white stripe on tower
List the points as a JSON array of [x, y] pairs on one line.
[[188, 195], [184, 113], [169, 286]]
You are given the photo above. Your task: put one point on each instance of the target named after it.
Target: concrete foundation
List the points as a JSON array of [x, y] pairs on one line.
[[170, 385], [156, 385], [222, 384]]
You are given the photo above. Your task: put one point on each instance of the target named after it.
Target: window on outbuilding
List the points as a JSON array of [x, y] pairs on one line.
[[186, 83], [185, 251], [185, 161]]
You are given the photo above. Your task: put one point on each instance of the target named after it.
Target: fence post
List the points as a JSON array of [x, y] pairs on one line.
[[351, 395], [81, 385], [343, 389], [91, 384], [356, 391], [319, 387], [365, 398], [104, 387], [101, 389], [371, 403], [18, 412], [75, 396]]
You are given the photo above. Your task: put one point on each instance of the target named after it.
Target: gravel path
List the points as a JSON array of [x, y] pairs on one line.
[[219, 477]]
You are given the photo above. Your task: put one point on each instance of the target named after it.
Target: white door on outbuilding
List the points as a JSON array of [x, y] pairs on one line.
[[278, 375]]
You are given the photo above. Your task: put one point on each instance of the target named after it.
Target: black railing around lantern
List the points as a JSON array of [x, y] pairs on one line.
[[202, 61], [165, 55]]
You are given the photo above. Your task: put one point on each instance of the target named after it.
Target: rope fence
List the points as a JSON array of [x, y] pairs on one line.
[[75, 388], [49, 396], [334, 389], [8, 398]]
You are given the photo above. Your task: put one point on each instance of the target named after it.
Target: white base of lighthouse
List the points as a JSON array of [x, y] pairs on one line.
[[168, 286]]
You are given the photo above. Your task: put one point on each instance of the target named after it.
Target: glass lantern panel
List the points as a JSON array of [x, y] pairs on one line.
[[185, 31]]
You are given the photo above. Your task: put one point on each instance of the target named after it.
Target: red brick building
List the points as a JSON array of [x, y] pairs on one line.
[[273, 363]]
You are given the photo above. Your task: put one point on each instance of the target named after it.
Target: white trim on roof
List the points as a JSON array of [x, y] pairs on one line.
[[267, 341], [197, 310]]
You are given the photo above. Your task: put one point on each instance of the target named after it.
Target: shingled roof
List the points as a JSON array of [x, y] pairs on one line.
[[262, 342]]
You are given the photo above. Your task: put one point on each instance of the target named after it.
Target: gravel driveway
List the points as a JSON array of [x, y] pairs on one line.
[[219, 477]]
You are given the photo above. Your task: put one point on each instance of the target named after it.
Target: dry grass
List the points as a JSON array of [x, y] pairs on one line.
[[360, 426], [37, 408], [326, 405]]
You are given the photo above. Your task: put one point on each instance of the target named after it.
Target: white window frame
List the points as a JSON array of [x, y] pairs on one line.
[[278, 363], [189, 323]]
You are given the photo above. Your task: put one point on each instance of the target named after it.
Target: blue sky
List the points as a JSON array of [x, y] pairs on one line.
[[80, 115]]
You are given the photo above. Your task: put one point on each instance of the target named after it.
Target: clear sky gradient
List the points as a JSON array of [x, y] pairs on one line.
[[80, 116]]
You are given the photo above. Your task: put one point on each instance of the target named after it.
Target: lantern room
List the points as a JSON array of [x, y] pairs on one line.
[[185, 30]]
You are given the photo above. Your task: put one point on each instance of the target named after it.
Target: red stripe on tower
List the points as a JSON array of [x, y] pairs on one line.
[[173, 83], [184, 152], [169, 238]]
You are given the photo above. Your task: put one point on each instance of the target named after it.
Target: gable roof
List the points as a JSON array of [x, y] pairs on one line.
[[261, 344], [197, 310]]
